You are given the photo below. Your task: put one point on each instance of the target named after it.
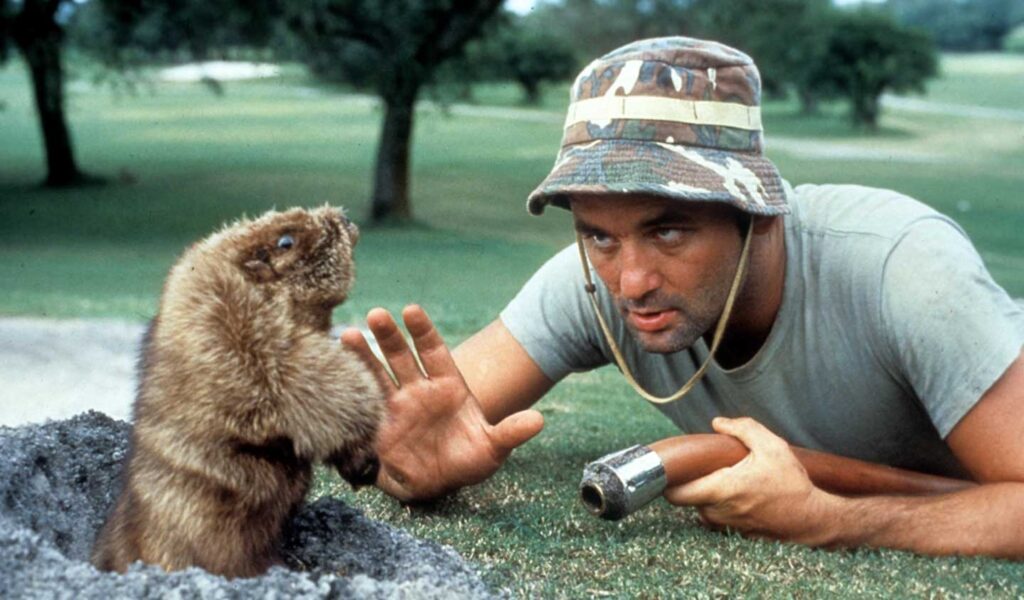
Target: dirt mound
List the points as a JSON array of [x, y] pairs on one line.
[[59, 479]]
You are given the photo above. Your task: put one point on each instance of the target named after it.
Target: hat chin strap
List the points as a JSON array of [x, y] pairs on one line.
[[591, 290]]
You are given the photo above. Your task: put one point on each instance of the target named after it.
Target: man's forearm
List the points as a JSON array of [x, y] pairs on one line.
[[499, 372], [988, 520]]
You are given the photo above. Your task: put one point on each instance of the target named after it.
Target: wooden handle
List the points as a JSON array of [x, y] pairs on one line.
[[688, 457]]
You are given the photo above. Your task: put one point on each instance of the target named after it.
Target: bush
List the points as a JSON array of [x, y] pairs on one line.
[[1014, 41]]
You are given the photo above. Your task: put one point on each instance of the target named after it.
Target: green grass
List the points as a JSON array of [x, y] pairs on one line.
[[527, 527], [990, 80], [182, 161]]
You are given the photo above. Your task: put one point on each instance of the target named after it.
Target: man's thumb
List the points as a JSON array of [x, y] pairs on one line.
[[516, 429]]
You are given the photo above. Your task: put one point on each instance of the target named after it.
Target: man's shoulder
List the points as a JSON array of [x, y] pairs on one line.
[[841, 240], [857, 211]]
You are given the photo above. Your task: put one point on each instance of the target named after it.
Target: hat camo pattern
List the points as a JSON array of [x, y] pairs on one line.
[[674, 117]]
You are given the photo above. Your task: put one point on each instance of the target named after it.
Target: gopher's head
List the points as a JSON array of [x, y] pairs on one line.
[[306, 254]]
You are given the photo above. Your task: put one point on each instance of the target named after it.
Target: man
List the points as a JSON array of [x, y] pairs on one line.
[[863, 323]]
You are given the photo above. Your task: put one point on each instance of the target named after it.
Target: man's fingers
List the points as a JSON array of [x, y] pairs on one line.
[[391, 486], [754, 435], [706, 519], [516, 429], [709, 489], [354, 340], [393, 345], [433, 353]]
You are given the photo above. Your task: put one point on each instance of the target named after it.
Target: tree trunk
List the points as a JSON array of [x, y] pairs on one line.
[[43, 57], [531, 91], [808, 101], [391, 179], [865, 111]]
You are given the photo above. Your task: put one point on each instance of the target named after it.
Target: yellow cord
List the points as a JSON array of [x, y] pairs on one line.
[[741, 268]]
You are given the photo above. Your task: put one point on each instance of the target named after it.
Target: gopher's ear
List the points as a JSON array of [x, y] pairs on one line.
[[258, 266]]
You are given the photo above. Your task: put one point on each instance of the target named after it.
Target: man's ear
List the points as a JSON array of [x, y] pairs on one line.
[[258, 266]]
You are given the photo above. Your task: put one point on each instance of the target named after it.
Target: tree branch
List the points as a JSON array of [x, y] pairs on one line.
[[452, 28], [358, 26]]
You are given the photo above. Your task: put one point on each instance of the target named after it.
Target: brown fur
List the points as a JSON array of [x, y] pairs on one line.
[[241, 391]]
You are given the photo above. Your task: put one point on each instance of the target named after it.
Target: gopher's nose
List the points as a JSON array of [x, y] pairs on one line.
[[350, 227]]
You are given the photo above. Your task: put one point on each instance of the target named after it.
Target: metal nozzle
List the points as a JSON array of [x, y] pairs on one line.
[[622, 482]]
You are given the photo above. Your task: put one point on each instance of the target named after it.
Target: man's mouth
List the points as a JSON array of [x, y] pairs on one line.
[[652, 320]]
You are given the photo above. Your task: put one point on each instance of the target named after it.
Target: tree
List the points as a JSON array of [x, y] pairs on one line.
[[35, 28], [533, 56], [1014, 41], [122, 34], [868, 54], [958, 24], [393, 47], [112, 30], [783, 54], [595, 27], [523, 49]]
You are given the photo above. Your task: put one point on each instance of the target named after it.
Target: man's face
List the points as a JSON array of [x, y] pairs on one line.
[[668, 264]]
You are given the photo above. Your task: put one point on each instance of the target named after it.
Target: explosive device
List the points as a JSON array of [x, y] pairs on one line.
[[622, 482]]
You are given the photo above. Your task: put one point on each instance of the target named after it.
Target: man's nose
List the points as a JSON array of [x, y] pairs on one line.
[[638, 275]]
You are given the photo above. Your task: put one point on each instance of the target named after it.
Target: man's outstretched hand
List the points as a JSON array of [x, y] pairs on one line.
[[436, 438]]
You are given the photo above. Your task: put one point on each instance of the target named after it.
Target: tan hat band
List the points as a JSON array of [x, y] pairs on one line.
[[675, 110]]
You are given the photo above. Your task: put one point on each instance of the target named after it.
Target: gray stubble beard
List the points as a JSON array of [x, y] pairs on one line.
[[693, 326]]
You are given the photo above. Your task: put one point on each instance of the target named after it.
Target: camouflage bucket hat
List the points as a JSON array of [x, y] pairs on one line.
[[675, 117]]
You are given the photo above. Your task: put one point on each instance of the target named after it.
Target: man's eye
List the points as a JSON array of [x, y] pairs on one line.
[[601, 241], [669, 235]]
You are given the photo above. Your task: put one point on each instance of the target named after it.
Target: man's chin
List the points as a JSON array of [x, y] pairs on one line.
[[661, 342]]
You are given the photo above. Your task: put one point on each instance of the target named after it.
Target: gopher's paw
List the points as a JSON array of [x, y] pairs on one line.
[[358, 468]]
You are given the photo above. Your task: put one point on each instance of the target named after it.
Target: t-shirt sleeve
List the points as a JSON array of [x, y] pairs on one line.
[[951, 329], [551, 318]]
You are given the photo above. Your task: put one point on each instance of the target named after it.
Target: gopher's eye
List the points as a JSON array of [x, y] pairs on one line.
[[285, 242]]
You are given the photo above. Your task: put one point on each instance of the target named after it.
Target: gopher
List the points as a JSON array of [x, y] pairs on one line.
[[241, 391]]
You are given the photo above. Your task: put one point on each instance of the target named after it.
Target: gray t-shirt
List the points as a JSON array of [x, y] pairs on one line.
[[890, 330]]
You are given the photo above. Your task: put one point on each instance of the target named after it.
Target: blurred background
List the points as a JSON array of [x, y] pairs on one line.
[[130, 128]]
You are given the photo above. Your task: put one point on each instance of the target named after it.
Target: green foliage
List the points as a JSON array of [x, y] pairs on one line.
[[6, 14], [961, 25], [521, 49], [128, 33], [785, 37], [595, 27], [1014, 41], [806, 47], [869, 54], [392, 47]]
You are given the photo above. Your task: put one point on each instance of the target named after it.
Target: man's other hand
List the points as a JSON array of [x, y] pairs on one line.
[[767, 493], [436, 437]]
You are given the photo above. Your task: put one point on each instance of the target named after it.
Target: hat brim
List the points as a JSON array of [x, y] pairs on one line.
[[747, 181]]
